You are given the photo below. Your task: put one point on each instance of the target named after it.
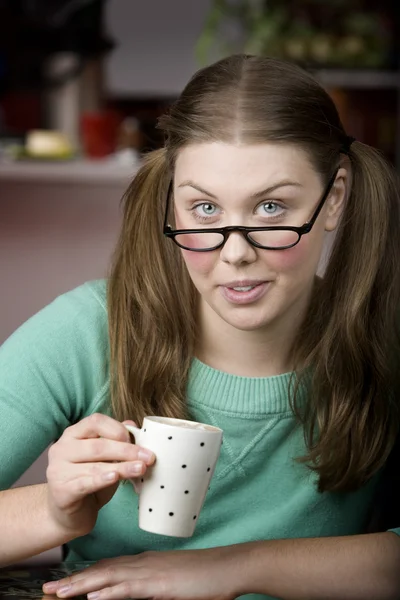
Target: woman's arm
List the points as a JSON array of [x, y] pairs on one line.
[[353, 567], [85, 467], [26, 524], [362, 567], [52, 374]]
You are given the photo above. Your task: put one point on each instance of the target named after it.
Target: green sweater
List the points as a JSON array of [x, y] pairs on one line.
[[54, 372]]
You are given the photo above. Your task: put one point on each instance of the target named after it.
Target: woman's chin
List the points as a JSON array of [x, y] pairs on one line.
[[248, 322]]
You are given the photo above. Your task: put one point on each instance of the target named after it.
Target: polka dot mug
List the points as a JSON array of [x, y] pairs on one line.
[[173, 490]]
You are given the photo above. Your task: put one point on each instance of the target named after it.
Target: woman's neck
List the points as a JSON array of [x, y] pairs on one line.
[[260, 353], [255, 360]]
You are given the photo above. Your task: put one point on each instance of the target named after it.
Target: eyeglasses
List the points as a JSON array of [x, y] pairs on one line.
[[267, 238]]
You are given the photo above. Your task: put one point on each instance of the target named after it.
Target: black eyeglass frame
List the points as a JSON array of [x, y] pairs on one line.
[[245, 231]]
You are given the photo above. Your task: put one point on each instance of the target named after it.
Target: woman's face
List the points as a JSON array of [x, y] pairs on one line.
[[217, 185]]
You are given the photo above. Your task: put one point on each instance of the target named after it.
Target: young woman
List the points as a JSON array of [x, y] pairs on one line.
[[225, 305]]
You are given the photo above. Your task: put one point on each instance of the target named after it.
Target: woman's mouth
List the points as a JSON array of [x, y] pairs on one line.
[[244, 293]]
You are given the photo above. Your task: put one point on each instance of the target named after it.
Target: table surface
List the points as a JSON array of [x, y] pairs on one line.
[[23, 583]]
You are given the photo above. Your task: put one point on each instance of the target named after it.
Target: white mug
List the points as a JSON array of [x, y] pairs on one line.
[[173, 490]]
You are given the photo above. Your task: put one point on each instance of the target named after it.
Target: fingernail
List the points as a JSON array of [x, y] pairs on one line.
[[63, 590], [110, 476], [50, 586], [136, 468], [146, 455], [93, 595]]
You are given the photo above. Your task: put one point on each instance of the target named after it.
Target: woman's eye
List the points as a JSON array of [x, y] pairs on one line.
[[271, 208], [205, 210]]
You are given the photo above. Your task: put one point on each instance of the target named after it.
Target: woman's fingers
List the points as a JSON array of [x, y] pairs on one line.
[[107, 582], [98, 438], [101, 450], [86, 478], [67, 494], [98, 425], [121, 591], [89, 484]]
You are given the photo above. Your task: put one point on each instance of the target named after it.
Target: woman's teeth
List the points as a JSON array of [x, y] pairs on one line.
[[244, 289]]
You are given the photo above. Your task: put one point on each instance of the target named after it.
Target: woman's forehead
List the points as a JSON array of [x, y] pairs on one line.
[[218, 164]]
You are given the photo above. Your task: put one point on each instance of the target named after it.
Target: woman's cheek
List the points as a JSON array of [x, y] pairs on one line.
[[200, 262], [292, 258]]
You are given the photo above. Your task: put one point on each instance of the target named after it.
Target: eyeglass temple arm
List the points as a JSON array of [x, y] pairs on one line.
[[311, 222], [167, 227]]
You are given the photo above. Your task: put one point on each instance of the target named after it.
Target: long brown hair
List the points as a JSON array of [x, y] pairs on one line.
[[348, 345]]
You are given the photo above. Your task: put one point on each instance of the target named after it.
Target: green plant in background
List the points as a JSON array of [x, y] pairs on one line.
[[314, 33]]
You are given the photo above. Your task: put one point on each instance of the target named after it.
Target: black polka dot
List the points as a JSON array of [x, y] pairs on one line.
[[144, 430], [162, 486], [171, 514], [202, 444], [186, 491], [194, 518], [170, 437], [150, 510], [142, 480], [183, 466], [209, 469]]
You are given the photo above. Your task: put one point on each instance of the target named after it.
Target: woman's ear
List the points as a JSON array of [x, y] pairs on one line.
[[336, 200]]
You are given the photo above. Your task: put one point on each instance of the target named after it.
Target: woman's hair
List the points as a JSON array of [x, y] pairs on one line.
[[347, 349]]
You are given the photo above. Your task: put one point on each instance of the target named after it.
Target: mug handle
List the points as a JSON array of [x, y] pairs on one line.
[[135, 431]]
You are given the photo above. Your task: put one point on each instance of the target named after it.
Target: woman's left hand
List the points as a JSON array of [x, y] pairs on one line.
[[185, 575]]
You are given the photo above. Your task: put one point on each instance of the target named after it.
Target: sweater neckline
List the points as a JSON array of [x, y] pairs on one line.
[[237, 394]]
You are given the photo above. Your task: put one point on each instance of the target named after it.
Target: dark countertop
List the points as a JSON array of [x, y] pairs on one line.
[[25, 582]]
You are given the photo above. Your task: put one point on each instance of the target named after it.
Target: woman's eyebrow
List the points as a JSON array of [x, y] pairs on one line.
[[264, 192], [272, 188], [197, 187]]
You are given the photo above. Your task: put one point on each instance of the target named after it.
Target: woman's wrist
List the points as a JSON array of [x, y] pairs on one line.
[[66, 527], [248, 561], [241, 563]]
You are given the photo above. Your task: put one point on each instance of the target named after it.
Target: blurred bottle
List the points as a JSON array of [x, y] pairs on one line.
[[129, 141], [62, 95]]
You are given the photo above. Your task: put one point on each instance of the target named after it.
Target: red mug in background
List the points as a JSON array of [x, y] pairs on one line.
[[99, 132]]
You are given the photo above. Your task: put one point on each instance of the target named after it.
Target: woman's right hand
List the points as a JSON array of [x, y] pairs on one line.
[[85, 467]]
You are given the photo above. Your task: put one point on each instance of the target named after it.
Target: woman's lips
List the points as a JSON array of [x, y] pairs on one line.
[[252, 295]]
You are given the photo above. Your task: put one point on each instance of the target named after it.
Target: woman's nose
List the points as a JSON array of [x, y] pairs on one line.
[[237, 249]]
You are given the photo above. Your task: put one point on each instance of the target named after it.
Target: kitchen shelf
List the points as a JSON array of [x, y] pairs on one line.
[[358, 78], [82, 171]]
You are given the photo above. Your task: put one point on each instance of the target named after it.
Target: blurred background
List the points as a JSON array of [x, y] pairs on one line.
[[82, 83], [101, 71]]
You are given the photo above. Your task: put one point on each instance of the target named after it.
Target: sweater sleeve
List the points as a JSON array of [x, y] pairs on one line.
[[53, 372]]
